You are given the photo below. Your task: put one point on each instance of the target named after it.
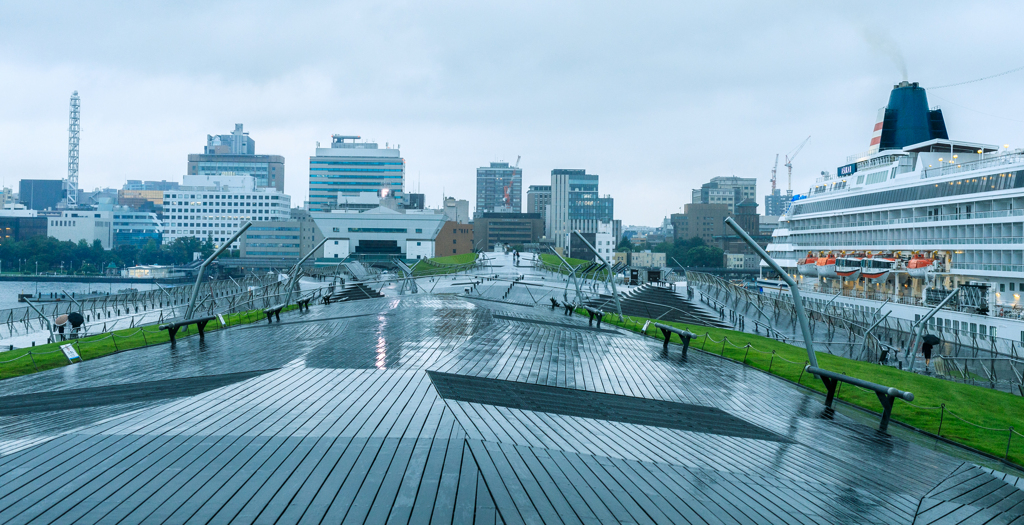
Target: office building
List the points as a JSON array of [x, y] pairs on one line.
[[414, 201], [235, 155], [644, 259], [309, 233], [777, 203], [457, 210], [350, 166], [538, 198], [40, 194], [135, 228], [499, 188], [272, 240], [706, 221], [726, 190], [87, 225], [140, 199], [454, 239], [20, 224], [216, 207], [380, 234], [576, 204], [150, 185], [510, 229]]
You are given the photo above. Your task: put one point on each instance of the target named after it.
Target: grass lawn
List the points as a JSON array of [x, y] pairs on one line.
[[29, 360], [552, 259], [997, 411], [439, 265]]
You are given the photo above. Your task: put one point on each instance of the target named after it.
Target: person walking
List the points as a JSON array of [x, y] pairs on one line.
[[926, 349]]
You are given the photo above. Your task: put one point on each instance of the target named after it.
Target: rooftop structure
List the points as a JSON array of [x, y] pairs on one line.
[[235, 155]]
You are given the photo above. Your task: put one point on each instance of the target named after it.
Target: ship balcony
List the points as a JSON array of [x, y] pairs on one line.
[[1010, 159], [998, 214]]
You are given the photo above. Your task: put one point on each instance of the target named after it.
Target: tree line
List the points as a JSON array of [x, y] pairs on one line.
[[691, 253], [84, 258]]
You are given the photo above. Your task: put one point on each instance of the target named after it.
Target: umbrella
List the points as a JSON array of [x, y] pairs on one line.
[[61, 319], [932, 339], [76, 319]]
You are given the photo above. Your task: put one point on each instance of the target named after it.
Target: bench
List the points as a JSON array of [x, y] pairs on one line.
[[569, 308], [554, 303], [274, 311], [594, 312], [667, 331], [173, 327], [886, 394]]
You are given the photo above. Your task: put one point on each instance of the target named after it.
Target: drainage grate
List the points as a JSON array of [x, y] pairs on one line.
[[595, 405]]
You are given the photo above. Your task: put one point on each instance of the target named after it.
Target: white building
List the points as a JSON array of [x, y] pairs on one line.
[[604, 240], [380, 233], [217, 206], [457, 210], [90, 225]]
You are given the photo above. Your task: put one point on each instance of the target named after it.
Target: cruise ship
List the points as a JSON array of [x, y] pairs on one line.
[[915, 217]]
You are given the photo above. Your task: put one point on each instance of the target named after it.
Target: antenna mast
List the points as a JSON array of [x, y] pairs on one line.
[[74, 129]]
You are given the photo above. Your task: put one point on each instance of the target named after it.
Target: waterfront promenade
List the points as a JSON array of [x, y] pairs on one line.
[[447, 408]]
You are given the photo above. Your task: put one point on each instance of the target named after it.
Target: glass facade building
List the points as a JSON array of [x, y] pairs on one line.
[[353, 167]]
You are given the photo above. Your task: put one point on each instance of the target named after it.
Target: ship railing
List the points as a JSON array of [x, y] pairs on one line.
[[995, 160], [911, 220], [848, 327]]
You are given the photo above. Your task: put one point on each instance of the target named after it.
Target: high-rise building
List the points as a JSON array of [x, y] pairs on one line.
[[38, 194], [499, 188], [776, 203], [350, 166], [235, 155], [576, 204], [726, 190], [538, 198]]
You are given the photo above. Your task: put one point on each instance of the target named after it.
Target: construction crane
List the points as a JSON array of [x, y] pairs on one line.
[[789, 163], [774, 168], [517, 160]]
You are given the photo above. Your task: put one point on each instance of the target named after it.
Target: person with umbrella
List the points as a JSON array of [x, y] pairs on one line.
[[77, 320], [61, 322], [930, 340]]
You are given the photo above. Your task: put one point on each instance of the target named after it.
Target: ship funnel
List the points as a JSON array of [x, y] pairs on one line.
[[907, 119]]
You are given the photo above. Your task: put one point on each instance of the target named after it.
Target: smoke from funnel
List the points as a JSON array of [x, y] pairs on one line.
[[880, 41]]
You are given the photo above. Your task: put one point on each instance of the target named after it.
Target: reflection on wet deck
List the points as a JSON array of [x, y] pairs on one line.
[[343, 423]]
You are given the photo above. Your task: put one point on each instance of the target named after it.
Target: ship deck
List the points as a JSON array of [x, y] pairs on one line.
[[448, 409]]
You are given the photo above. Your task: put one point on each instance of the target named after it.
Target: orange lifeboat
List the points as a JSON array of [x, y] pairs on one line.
[[807, 265], [920, 266], [826, 266]]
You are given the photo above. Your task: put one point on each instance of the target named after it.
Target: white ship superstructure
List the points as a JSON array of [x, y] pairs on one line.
[[915, 217]]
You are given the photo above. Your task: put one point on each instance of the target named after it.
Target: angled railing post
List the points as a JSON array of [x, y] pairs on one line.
[[615, 292], [798, 304], [190, 311]]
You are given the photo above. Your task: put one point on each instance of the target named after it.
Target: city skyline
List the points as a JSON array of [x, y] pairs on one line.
[[424, 81]]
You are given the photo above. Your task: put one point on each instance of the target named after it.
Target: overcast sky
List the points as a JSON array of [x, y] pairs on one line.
[[655, 98]]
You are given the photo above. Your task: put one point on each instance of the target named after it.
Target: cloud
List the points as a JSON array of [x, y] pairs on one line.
[[656, 98]]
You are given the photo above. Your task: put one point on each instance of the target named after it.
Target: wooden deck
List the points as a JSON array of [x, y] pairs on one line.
[[337, 416]]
